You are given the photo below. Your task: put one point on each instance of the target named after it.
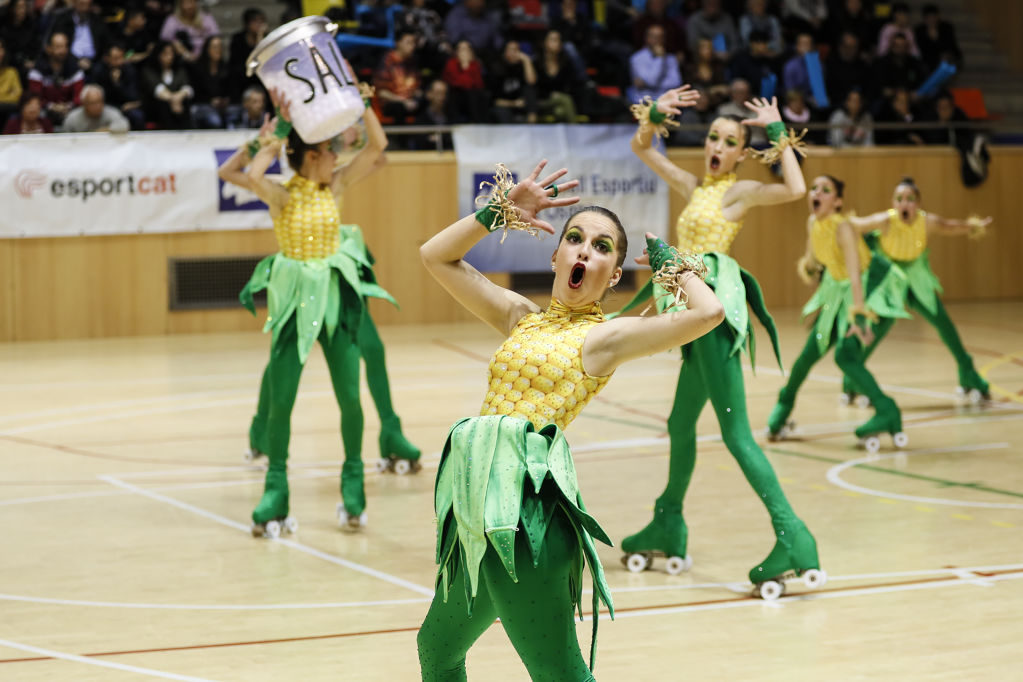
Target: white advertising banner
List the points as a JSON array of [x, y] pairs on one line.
[[609, 175], [92, 184]]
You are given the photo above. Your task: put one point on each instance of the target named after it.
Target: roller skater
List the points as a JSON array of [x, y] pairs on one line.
[[711, 368], [903, 232], [513, 534], [853, 291], [315, 292]]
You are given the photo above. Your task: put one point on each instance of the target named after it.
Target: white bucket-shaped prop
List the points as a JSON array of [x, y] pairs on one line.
[[302, 60]]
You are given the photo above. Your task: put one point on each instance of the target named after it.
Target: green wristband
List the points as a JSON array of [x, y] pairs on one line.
[[775, 131], [253, 146], [283, 128], [655, 114], [489, 216], [659, 252]]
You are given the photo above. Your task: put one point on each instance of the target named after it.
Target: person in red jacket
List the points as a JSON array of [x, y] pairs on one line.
[[464, 74]]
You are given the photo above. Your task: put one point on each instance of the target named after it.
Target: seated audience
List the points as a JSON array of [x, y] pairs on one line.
[[852, 125], [30, 120], [94, 115]]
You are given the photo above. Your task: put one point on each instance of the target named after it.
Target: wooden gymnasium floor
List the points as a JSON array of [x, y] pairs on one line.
[[126, 551]]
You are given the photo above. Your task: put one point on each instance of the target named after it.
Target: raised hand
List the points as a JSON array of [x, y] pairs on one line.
[[645, 258], [531, 196], [766, 112], [676, 99], [281, 103]]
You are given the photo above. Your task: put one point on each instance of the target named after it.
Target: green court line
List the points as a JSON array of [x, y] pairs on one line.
[[905, 474]]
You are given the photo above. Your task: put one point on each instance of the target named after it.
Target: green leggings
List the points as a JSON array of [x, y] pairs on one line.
[[939, 319], [710, 371], [536, 612], [372, 350]]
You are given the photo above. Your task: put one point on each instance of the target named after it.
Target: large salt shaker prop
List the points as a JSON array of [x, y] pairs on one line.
[[302, 60]]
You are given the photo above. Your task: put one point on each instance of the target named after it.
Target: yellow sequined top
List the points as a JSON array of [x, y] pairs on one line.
[[537, 374], [702, 226], [828, 252], [904, 241], [307, 226]]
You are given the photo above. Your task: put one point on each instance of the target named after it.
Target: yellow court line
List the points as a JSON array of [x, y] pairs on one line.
[[997, 362]]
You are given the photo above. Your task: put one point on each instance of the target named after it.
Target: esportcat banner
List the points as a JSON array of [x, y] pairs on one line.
[[65, 185], [599, 156]]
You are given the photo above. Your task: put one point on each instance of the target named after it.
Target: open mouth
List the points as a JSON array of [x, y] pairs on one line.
[[905, 215], [575, 278], [715, 163], [816, 204]]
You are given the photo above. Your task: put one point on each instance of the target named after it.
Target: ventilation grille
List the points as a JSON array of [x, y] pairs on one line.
[[209, 283]]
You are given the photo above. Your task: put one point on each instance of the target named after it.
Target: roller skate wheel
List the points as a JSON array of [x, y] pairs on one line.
[[403, 467], [257, 530], [346, 520], [900, 439], [862, 402], [960, 391], [291, 524], [637, 563], [872, 444], [251, 455], [975, 397], [383, 465], [771, 590], [272, 529], [815, 578], [845, 399], [676, 565]]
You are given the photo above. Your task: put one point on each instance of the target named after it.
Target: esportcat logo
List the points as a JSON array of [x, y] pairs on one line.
[[28, 181]]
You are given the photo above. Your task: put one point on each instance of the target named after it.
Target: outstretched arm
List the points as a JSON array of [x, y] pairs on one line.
[[954, 228], [443, 253], [869, 223], [669, 103], [610, 344], [793, 185], [847, 239]]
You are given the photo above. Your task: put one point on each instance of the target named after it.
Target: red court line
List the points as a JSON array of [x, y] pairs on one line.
[[117, 458], [343, 635]]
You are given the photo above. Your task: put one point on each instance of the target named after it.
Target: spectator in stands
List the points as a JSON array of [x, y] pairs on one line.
[[556, 84], [57, 79], [187, 29], [464, 75], [471, 21], [513, 86], [805, 16], [851, 124], [898, 69], [435, 111], [712, 24], [852, 17], [94, 115], [707, 72], [212, 85], [574, 23], [847, 70], [898, 109], [426, 23], [120, 85], [397, 79], [10, 84], [653, 69], [166, 88], [796, 74], [254, 29], [253, 110], [754, 63], [20, 30], [936, 40], [757, 20], [944, 110], [31, 120], [87, 30], [656, 14], [136, 37], [739, 94], [898, 26]]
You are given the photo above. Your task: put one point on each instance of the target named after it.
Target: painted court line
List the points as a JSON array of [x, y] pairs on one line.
[[394, 580], [834, 476], [50, 653], [208, 607]]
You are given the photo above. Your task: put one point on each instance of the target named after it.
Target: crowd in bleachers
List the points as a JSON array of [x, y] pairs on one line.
[[112, 65]]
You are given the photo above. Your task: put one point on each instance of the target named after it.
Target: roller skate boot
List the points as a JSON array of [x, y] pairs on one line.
[[351, 510], [665, 536], [850, 396], [397, 454], [779, 426], [887, 419], [972, 389], [252, 454], [794, 556], [270, 517]]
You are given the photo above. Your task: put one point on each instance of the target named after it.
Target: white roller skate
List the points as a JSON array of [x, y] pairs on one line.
[[637, 562], [348, 521], [273, 528]]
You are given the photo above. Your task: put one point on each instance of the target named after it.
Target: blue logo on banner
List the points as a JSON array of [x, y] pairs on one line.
[[232, 198]]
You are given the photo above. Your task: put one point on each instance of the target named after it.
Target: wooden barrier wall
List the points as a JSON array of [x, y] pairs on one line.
[[1004, 18], [81, 287]]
